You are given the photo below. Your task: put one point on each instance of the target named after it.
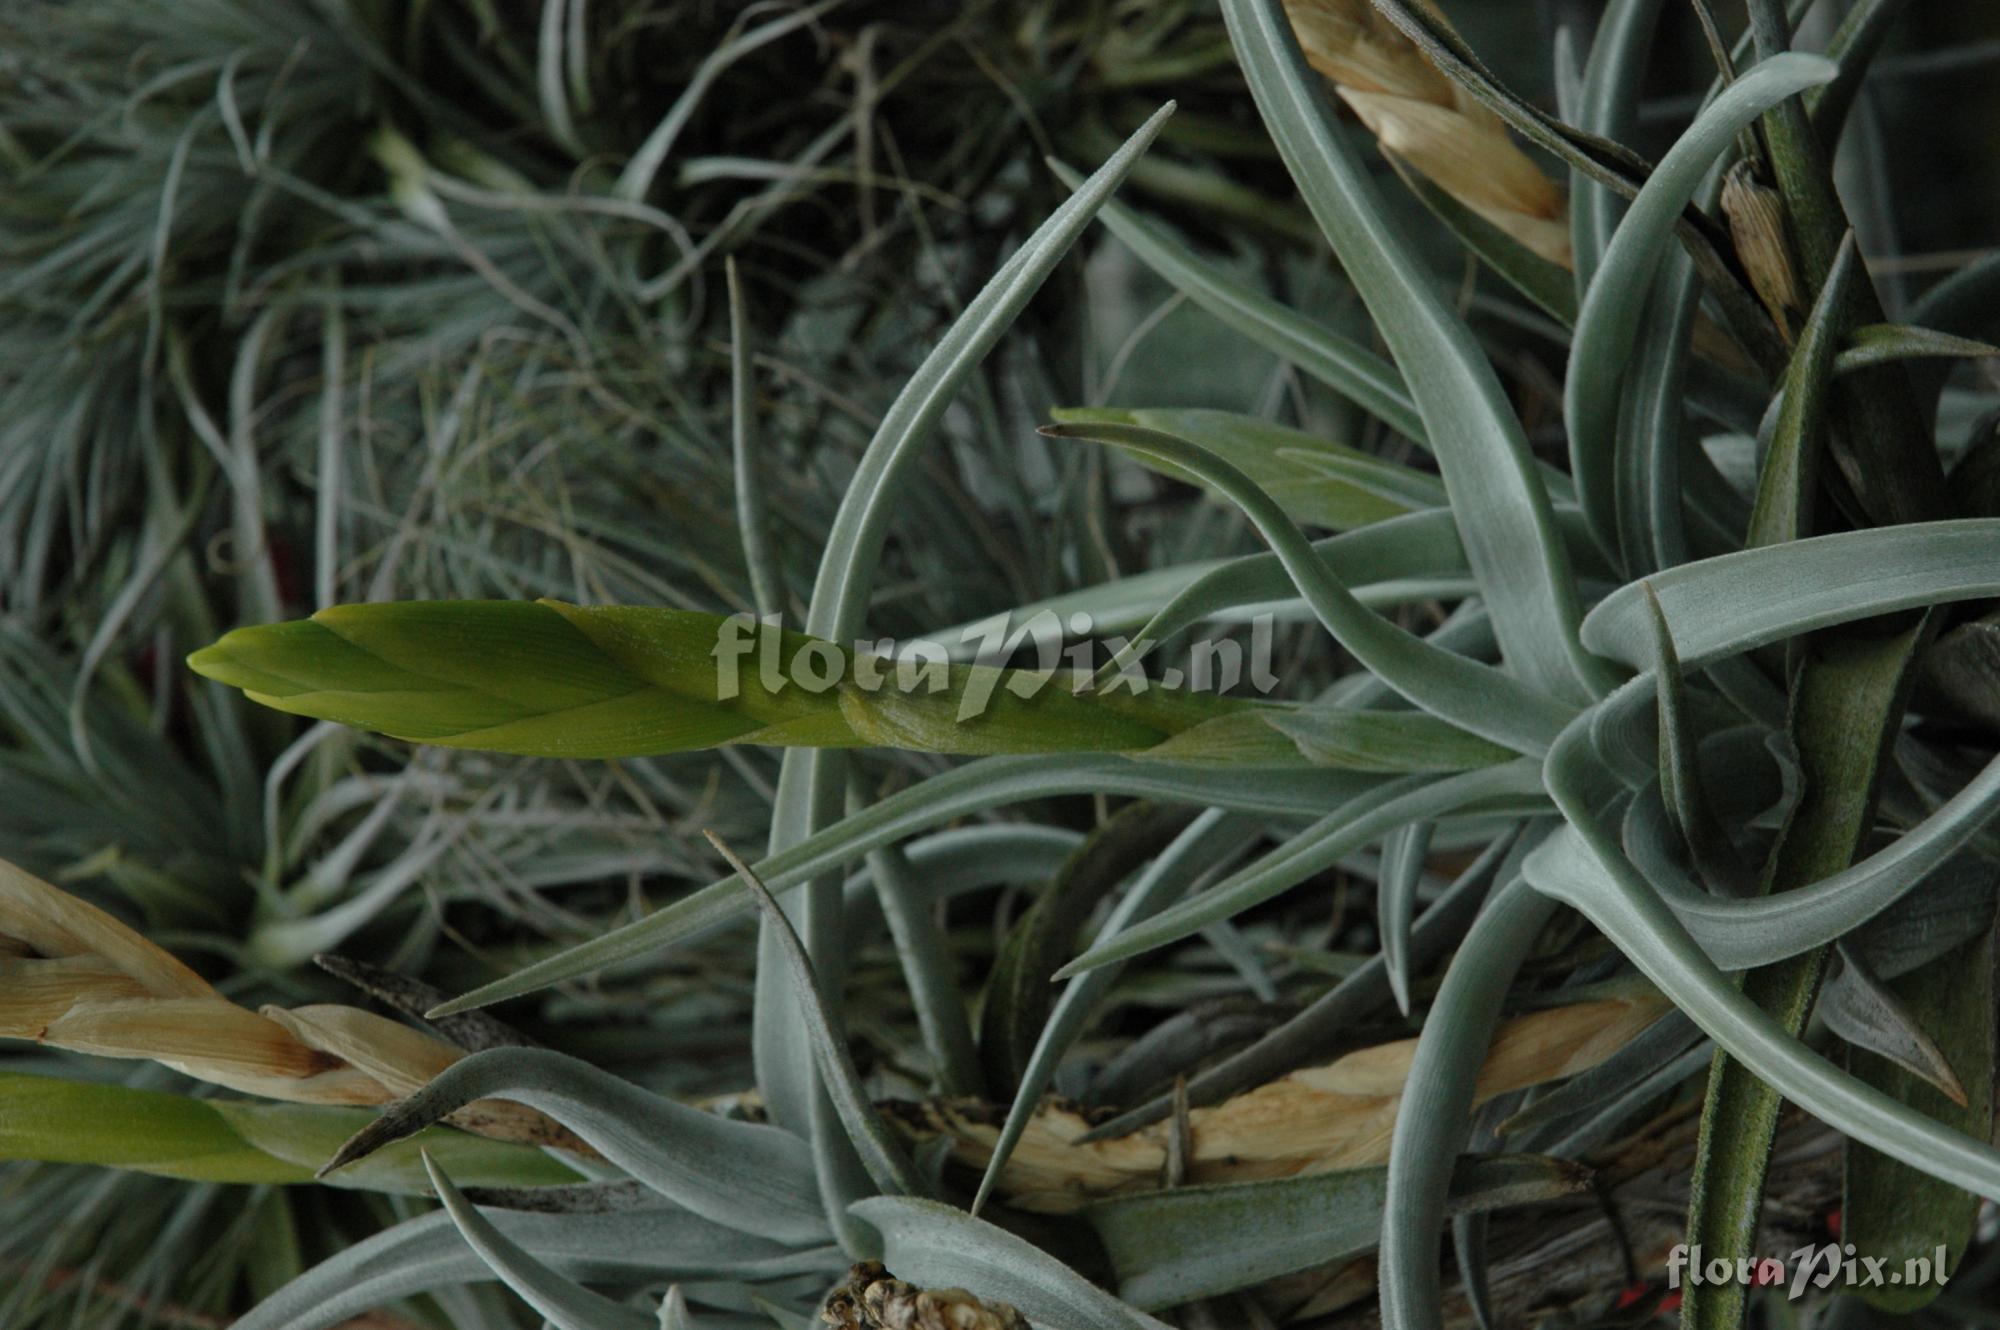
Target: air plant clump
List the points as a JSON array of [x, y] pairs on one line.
[[1607, 873]]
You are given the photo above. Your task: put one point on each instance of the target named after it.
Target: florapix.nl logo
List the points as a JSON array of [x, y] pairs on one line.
[[1808, 1268], [1056, 651]]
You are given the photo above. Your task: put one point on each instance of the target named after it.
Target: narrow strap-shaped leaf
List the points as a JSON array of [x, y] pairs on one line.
[[927, 1243], [1403, 855], [1883, 343], [1170, 1247], [1474, 696], [1608, 323], [1515, 787], [1317, 483], [1204, 843], [1434, 1117], [1496, 492], [928, 970], [1789, 478], [1611, 1117], [1315, 1030], [1860, 1008], [1415, 556], [1734, 602], [747, 1175], [883, 1156], [812, 786], [562, 1301], [1421, 551], [1660, 1042], [1607, 106], [1651, 449], [752, 513], [1347, 367], [1681, 785], [965, 790], [1014, 1008]]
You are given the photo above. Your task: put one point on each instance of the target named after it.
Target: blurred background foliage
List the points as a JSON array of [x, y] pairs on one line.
[[305, 301]]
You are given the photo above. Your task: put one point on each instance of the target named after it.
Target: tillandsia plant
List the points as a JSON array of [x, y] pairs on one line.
[[1651, 747]]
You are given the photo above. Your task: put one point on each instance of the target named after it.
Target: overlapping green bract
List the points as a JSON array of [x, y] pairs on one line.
[[553, 680]]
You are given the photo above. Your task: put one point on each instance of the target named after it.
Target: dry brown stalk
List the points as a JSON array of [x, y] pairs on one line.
[[1316, 1119]]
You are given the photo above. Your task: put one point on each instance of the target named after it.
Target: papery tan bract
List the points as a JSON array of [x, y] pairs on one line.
[[1421, 116], [73, 977]]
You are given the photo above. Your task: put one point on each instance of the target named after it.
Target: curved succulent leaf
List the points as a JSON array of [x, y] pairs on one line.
[[427, 1254], [1734, 602], [1496, 491], [1434, 1117], [1582, 866], [928, 1243], [1608, 323], [747, 1175], [565, 1303], [1739, 933], [1475, 697]]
